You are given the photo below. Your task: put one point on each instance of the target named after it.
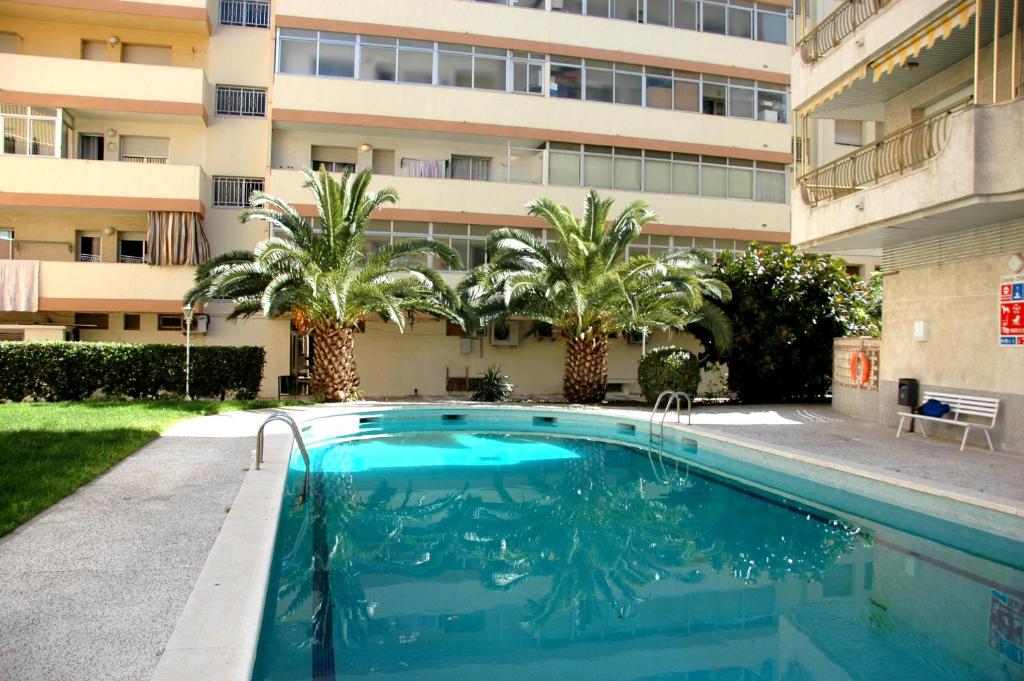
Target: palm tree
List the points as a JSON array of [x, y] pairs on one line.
[[324, 278], [585, 288]]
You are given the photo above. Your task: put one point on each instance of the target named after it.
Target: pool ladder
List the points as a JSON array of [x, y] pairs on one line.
[[658, 439], [281, 416]]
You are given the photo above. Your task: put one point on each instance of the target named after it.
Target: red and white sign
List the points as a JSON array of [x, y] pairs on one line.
[[1011, 311]]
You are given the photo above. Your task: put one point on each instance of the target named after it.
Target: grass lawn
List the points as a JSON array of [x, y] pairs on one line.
[[47, 451]]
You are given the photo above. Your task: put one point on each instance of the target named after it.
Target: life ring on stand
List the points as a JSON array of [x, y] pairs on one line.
[[860, 368]]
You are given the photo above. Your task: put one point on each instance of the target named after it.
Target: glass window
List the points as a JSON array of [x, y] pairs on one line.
[[415, 66], [298, 56], [627, 9], [566, 81], [714, 179], [628, 88], [628, 172], [771, 186], [489, 72], [477, 253], [657, 176], [741, 102], [685, 178], [378, 63], [714, 18], [600, 83], [686, 14], [659, 90], [741, 183], [713, 99], [772, 106], [337, 59], [771, 27], [687, 96], [527, 74], [741, 22], [570, 6], [471, 168], [597, 170], [526, 165], [564, 168], [599, 8], [659, 12], [455, 69]]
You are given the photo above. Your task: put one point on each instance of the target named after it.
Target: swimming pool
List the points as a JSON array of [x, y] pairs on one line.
[[529, 544]]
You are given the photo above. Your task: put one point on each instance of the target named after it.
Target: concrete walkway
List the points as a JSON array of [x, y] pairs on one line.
[[93, 587]]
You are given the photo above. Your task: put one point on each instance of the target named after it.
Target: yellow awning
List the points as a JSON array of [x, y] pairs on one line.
[[830, 92], [958, 17]]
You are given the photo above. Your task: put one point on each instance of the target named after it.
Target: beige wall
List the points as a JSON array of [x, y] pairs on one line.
[[61, 229]]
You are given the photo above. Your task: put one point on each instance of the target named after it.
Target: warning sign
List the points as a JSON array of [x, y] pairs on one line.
[[1011, 311]]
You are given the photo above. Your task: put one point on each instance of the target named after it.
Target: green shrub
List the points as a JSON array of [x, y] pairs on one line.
[[787, 306], [493, 386], [668, 368], [58, 371]]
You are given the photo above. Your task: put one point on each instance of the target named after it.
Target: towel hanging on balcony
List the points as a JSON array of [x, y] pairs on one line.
[[19, 285], [176, 238]]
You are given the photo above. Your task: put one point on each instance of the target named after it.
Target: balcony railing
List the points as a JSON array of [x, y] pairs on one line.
[[252, 13], [132, 259], [144, 159], [89, 257], [893, 154], [834, 28]]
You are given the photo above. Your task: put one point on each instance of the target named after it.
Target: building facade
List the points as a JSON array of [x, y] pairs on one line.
[[135, 131], [926, 97]]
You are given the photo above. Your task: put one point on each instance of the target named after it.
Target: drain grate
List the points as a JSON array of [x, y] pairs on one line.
[[157, 497]]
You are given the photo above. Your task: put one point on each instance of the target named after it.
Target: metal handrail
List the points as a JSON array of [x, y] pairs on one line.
[[892, 154], [836, 27], [281, 416], [673, 395]]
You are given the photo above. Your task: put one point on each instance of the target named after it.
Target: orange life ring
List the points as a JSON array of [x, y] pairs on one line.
[[860, 368]]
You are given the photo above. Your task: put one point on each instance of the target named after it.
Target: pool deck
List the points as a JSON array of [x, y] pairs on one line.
[[94, 587]]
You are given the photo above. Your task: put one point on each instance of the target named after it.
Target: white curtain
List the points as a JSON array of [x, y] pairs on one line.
[[19, 285]]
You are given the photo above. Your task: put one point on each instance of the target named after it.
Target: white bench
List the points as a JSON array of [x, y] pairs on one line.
[[959, 405]]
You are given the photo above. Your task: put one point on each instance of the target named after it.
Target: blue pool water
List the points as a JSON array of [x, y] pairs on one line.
[[476, 556]]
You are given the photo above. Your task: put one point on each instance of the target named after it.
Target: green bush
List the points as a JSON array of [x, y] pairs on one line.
[[493, 386], [58, 371], [787, 306], [668, 368]]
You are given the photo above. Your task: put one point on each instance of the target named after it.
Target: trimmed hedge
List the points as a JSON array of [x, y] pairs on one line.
[[59, 371], [668, 368]]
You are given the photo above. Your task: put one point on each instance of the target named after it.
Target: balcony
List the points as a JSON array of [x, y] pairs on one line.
[[837, 27], [448, 200], [43, 182], [320, 101], [952, 171], [176, 94], [111, 287]]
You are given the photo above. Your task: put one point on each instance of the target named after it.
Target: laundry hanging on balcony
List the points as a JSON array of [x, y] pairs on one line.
[[176, 238], [19, 285]]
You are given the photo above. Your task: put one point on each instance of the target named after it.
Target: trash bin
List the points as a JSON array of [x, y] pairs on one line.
[[908, 395]]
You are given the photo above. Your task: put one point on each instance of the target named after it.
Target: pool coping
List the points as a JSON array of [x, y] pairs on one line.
[[217, 633]]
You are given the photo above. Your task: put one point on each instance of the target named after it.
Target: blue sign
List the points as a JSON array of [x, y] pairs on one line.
[[1018, 292]]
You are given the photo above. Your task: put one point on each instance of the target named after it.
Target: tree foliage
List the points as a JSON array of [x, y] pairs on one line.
[[786, 309], [668, 368]]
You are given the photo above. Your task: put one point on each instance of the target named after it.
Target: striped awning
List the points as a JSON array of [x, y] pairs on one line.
[[830, 92], [176, 238], [958, 17]]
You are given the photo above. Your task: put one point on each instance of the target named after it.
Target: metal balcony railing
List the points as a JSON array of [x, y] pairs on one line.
[[89, 257], [893, 154], [834, 28], [251, 13], [144, 159]]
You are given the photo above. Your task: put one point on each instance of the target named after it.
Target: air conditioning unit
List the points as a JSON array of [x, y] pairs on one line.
[[200, 325], [505, 333]]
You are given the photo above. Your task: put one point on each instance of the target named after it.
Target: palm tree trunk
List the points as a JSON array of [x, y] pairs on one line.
[[334, 372], [586, 367]]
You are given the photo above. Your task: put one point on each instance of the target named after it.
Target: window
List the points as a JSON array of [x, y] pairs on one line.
[[90, 147], [850, 133], [528, 72], [740, 19], [233, 192], [564, 164], [9, 43], [770, 182], [659, 88], [90, 248], [741, 99], [157, 55], [772, 26], [132, 322], [526, 165], [566, 77], [170, 322], [714, 20], [489, 68], [29, 130], [6, 235], [686, 15], [334, 159], [91, 320], [334, 166], [337, 55], [772, 104], [471, 168], [235, 100], [131, 248], [95, 50], [713, 98], [600, 80], [383, 162], [416, 61], [251, 13], [379, 58], [144, 149]]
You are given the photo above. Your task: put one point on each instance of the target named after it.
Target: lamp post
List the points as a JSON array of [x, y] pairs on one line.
[[188, 311]]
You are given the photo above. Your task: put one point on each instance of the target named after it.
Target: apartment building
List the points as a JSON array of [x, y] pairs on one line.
[[911, 125], [135, 131]]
